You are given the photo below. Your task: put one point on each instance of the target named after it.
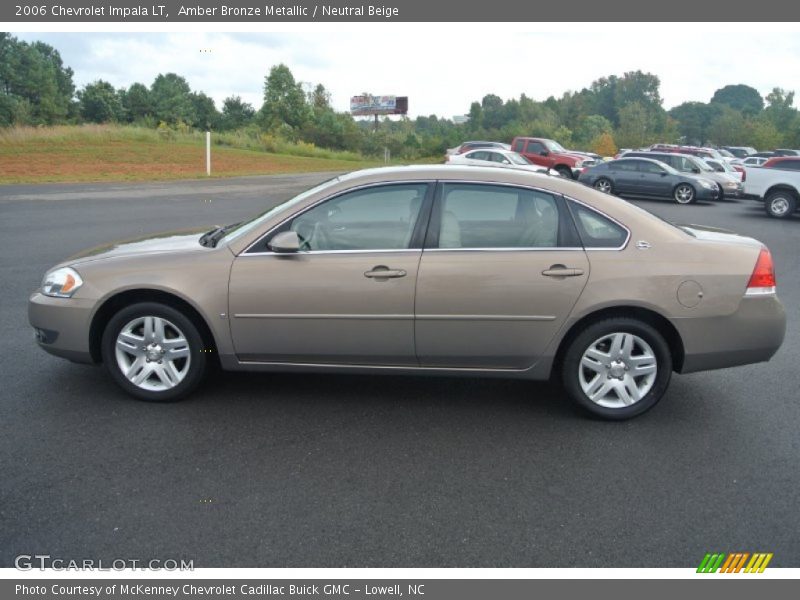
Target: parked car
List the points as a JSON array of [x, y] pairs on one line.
[[740, 151], [729, 185], [467, 146], [734, 169], [495, 157], [779, 189], [783, 162], [754, 161], [762, 155], [786, 152], [648, 177], [523, 275], [551, 154]]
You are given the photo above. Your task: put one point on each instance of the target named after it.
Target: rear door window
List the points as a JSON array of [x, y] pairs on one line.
[[480, 216]]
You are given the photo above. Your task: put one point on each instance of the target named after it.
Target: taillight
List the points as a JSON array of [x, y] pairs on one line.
[[762, 281], [744, 175]]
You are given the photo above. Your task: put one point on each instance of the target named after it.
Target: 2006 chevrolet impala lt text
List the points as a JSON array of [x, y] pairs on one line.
[[433, 269]]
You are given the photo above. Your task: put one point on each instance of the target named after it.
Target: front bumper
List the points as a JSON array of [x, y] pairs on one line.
[[61, 325], [752, 334]]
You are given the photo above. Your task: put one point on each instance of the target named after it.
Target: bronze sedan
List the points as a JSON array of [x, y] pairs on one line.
[[437, 269]]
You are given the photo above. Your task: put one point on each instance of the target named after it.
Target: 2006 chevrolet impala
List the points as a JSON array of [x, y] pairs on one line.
[[437, 269]]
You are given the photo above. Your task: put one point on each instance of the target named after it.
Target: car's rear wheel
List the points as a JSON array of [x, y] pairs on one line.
[[617, 368], [604, 185], [153, 352], [683, 193], [780, 204], [565, 172]]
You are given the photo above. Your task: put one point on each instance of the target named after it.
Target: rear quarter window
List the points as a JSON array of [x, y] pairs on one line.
[[596, 230]]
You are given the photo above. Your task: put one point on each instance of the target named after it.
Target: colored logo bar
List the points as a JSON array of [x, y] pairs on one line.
[[735, 562]]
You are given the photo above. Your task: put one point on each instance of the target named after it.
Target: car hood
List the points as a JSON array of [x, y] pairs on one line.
[[185, 240], [714, 234]]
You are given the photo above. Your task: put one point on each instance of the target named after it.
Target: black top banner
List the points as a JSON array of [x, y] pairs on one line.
[[176, 11]]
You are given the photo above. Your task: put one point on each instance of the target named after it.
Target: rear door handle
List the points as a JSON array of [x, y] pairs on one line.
[[561, 271], [384, 272]]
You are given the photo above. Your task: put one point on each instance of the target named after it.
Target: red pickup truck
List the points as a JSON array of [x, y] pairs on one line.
[[551, 154]]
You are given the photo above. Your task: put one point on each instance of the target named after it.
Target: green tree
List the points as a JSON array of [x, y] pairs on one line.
[[206, 116], [592, 127], [780, 109], [740, 97], [99, 102], [236, 113], [693, 120], [284, 101], [137, 102], [171, 98], [636, 126]]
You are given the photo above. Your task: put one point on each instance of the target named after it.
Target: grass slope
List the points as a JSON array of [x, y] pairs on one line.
[[116, 153]]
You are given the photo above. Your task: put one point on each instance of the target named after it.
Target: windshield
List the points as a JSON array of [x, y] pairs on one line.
[[518, 159], [246, 226], [702, 165], [553, 146]]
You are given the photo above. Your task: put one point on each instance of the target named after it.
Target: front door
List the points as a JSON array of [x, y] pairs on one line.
[[347, 297], [501, 272]]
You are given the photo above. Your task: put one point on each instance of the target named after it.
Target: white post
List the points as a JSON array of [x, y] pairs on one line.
[[208, 153]]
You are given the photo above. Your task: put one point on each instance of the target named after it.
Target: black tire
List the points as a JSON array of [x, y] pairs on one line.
[[605, 185], [565, 172], [684, 193], [194, 366], [571, 367], [780, 204]]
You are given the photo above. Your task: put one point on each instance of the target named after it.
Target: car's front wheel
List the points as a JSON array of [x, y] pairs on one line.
[[617, 368], [780, 204], [683, 194], [565, 172], [153, 352]]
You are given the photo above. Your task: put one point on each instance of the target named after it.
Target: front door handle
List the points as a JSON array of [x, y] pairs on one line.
[[561, 271], [382, 272]]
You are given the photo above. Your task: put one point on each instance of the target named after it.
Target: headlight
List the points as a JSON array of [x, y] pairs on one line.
[[61, 283], [578, 164]]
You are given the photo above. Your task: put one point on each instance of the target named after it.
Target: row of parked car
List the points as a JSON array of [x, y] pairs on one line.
[[684, 174]]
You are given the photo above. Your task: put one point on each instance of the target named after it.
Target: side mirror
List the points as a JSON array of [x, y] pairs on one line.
[[664, 173], [506, 162], [544, 153], [695, 170], [285, 242]]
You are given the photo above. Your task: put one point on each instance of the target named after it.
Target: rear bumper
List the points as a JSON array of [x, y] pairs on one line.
[[61, 326], [753, 334]]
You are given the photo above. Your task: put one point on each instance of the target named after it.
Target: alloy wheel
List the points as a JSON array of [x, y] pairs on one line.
[[152, 353]]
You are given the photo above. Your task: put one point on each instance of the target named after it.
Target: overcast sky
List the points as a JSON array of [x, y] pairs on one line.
[[442, 68]]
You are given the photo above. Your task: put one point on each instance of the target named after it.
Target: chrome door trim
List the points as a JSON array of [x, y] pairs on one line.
[[485, 317], [323, 316]]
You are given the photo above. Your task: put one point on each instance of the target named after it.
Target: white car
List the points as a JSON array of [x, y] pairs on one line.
[[496, 157], [754, 161], [724, 166]]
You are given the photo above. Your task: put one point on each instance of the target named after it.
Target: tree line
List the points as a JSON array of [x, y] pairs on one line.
[[36, 88]]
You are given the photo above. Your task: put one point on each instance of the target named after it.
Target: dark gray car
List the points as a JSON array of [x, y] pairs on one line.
[[647, 177], [729, 185]]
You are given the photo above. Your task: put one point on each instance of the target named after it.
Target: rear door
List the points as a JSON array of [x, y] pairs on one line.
[[626, 176], [500, 273]]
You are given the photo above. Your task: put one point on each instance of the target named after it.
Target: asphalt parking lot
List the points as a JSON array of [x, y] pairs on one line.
[[264, 470]]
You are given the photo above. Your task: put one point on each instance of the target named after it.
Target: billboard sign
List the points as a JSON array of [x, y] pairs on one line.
[[368, 104]]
